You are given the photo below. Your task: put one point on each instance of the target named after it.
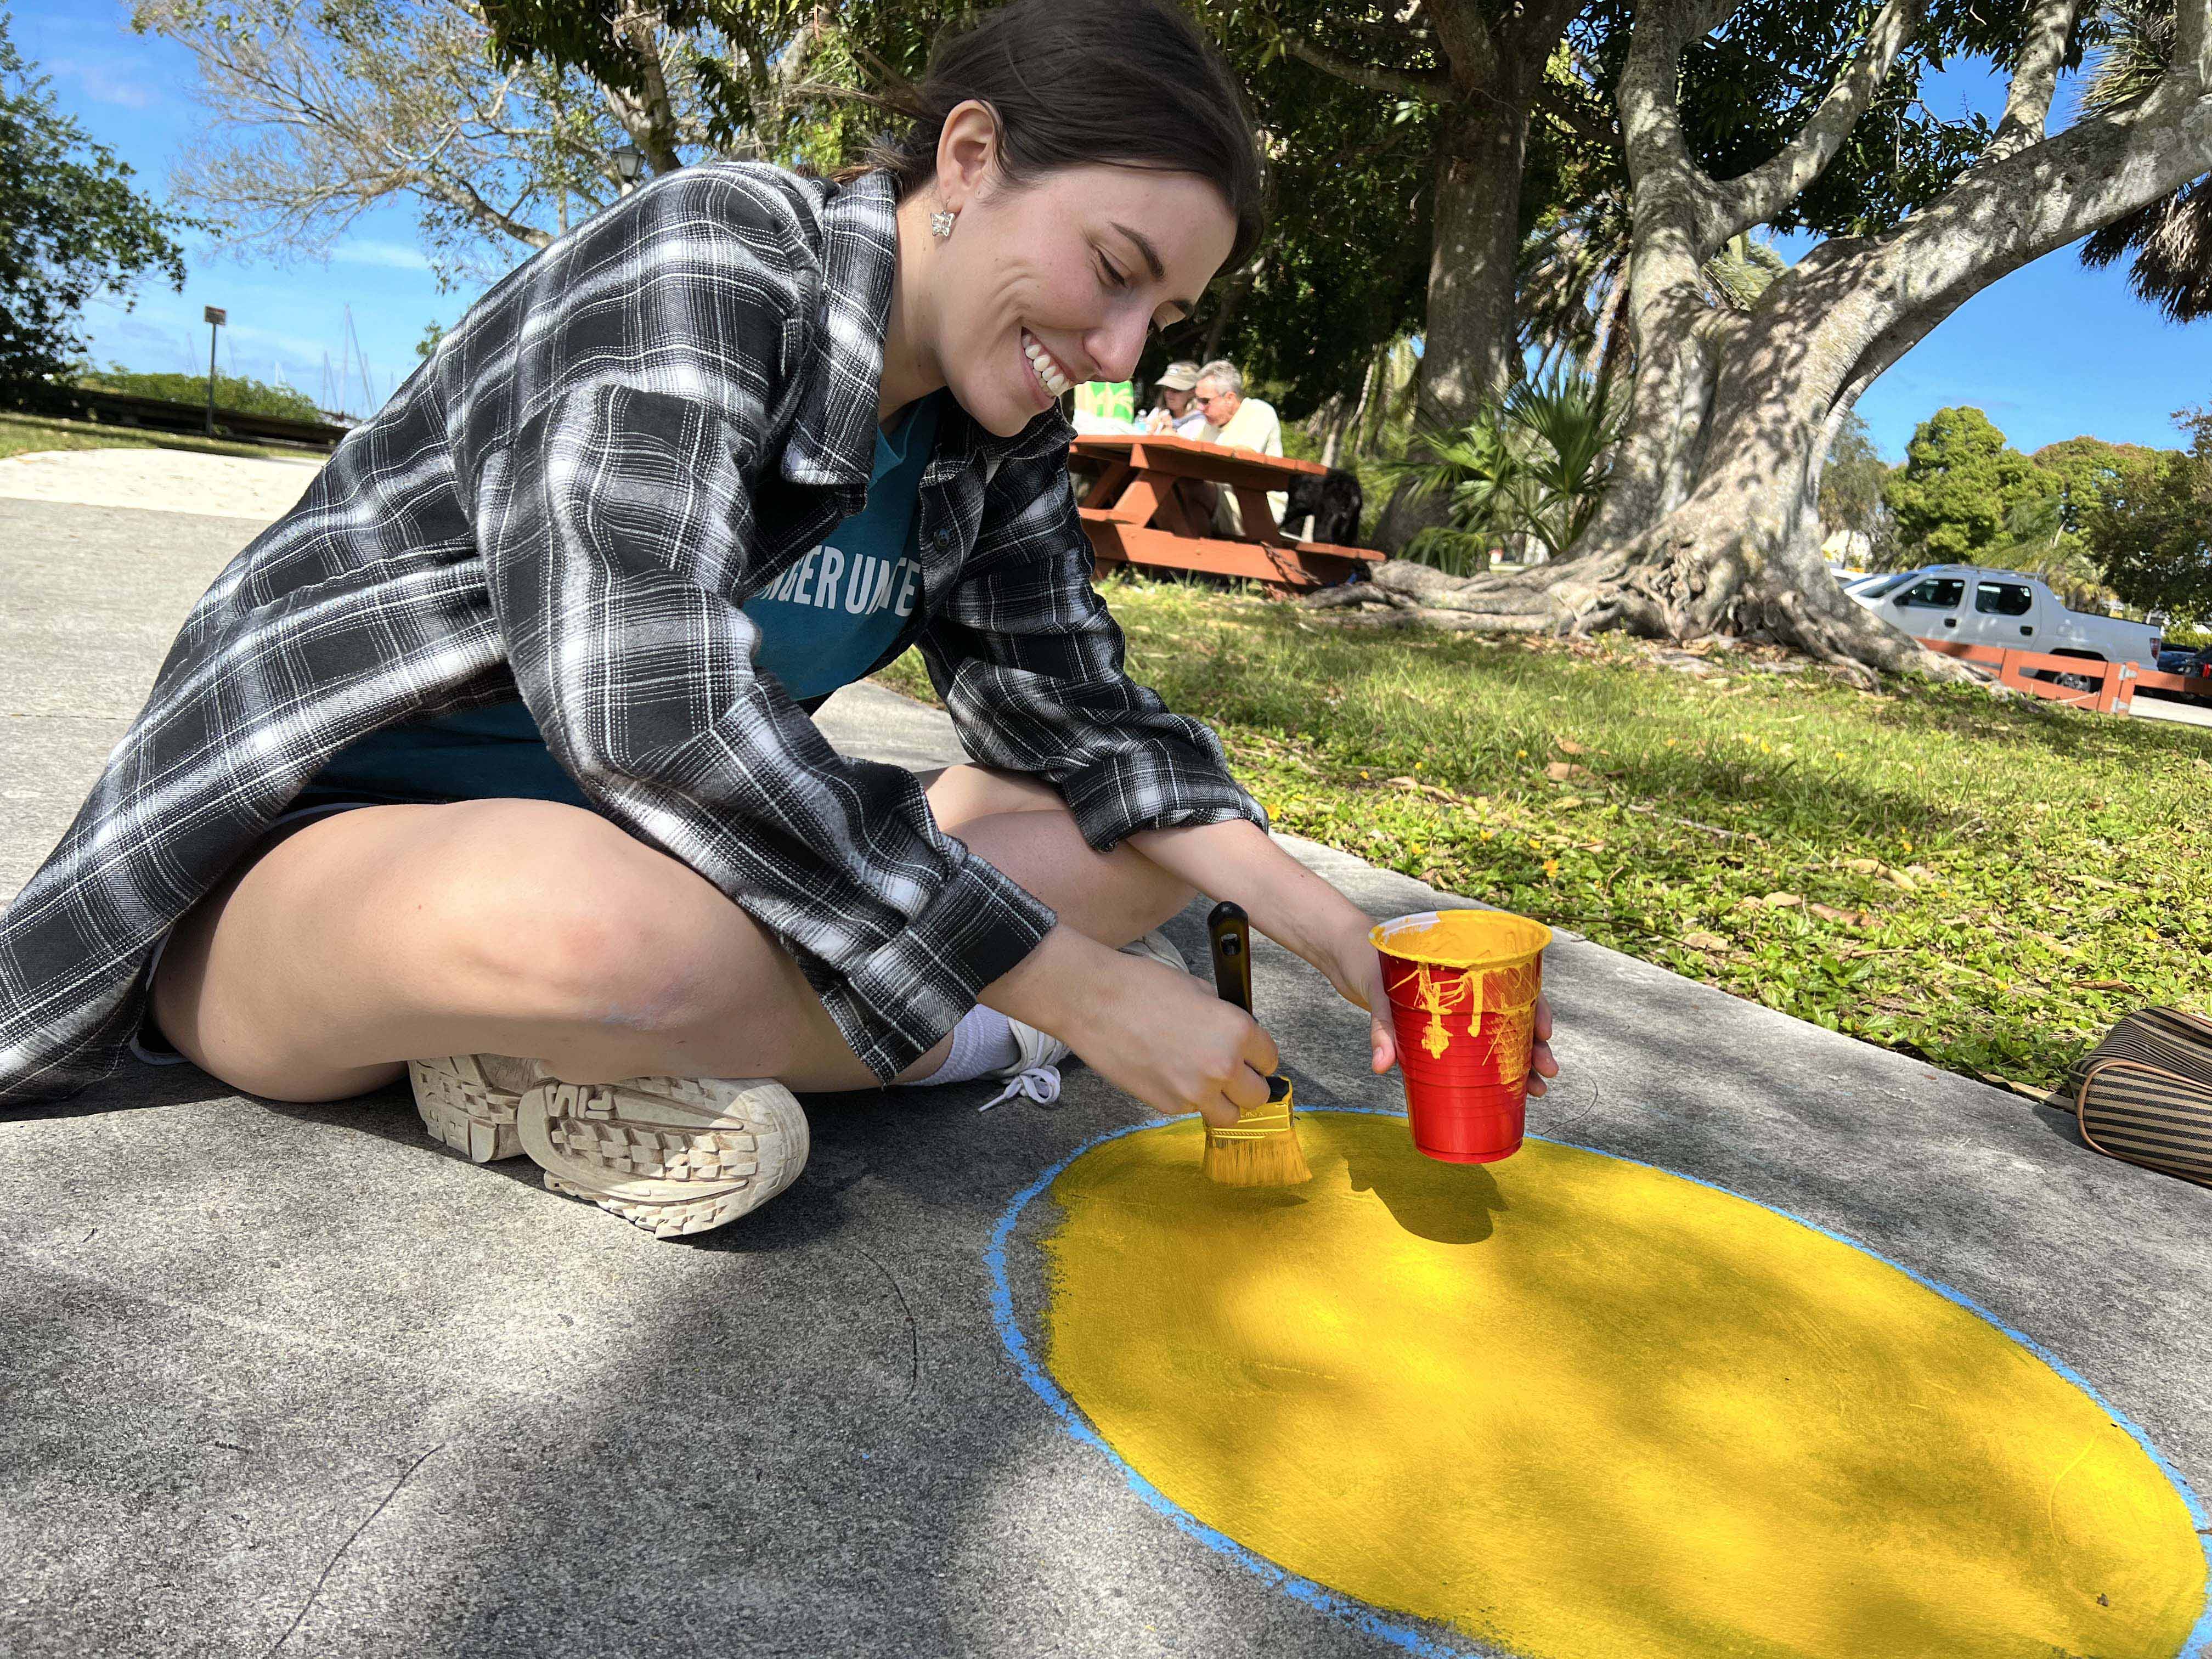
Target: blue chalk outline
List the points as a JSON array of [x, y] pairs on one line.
[[2197, 1642]]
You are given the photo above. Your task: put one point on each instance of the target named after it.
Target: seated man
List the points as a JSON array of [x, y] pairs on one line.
[[1177, 413], [1241, 422]]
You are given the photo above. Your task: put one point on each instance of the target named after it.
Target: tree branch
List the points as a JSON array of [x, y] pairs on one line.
[[1574, 116], [1758, 195], [460, 194], [1425, 85], [2034, 78], [1468, 46], [1648, 101]]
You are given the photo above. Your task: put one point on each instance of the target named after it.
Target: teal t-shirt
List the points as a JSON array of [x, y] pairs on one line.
[[822, 624], [829, 618]]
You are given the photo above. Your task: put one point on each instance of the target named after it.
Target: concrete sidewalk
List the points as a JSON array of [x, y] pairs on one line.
[[284, 1378]]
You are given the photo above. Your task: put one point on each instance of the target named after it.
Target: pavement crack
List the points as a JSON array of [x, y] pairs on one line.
[[315, 1594], [912, 1332]]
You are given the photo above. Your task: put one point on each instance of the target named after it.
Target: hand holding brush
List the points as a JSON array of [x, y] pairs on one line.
[[1260, 1149]]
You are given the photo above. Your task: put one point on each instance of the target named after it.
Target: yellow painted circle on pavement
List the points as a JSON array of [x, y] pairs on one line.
[[1581, 1408]]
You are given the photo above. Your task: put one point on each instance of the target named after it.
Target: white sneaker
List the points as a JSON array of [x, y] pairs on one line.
[[1036, 1070], [671, 1155], [1160, 948], [467, 1102]]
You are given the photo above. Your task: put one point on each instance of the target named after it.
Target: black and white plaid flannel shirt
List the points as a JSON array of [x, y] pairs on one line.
[[648, 421]]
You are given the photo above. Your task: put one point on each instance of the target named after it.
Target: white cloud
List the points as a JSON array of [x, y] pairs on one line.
[[116, 82], [396, 256]]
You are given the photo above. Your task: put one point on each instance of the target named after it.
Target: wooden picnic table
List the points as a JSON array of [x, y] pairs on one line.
[[1134, 517]]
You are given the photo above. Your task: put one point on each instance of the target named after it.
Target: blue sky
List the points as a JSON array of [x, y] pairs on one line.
[[2050, 352], [137, 95]]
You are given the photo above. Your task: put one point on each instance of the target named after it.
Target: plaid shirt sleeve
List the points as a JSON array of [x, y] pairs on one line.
[[1028, 661], [617, 529]]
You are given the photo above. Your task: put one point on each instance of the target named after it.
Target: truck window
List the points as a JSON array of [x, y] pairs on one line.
[[2004, 599], [1886, 584], [1936, 593]]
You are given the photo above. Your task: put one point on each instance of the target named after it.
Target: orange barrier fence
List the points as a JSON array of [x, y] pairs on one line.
[[2036, 673]]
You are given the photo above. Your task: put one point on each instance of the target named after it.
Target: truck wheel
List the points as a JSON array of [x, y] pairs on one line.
[[2070, 682]]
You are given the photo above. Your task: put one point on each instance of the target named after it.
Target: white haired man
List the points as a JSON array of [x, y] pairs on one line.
[[1241, 422]]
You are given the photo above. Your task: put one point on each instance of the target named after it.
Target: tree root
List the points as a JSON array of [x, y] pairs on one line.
[[1669, 585]]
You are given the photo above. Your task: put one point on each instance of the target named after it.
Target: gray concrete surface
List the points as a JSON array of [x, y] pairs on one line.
[[281, 1379], [2181, 713]]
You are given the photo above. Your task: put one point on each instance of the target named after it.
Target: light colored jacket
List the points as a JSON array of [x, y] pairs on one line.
[[1255, 427]]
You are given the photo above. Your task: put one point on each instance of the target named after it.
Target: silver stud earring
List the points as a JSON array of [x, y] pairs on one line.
[[940, 223]]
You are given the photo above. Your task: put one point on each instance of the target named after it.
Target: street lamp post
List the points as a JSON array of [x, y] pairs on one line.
[[216, 317], [629, 162]]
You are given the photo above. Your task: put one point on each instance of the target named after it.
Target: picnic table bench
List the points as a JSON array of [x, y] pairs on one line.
[[1134, 517]]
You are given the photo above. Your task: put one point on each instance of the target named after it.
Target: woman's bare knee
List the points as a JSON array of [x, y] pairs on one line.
[[556, 917]]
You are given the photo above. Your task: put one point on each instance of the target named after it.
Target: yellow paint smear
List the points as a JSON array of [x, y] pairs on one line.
[[1577, 1406]]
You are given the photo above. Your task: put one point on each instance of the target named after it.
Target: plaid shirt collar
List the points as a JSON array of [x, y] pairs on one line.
[[832, 440]]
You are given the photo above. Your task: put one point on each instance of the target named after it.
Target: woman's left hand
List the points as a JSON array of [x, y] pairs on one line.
[[1356, 970], [1306, 915]]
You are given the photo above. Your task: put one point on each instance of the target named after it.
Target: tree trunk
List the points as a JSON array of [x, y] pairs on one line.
[[1468, 356]]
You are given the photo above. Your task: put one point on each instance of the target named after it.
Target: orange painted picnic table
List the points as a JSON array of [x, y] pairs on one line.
[[1134, 517]]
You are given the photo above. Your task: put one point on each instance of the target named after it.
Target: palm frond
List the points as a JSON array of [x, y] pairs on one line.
[[1535, 465], [2138, 49]]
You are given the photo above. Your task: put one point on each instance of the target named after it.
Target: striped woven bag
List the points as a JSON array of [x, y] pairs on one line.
[[2144, 1094]]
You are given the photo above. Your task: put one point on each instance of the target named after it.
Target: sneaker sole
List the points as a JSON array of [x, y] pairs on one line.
[[464, 1110], [673, 1156]]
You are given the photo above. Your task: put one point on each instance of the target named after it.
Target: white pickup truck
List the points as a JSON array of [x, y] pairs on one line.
[[2000, 607]]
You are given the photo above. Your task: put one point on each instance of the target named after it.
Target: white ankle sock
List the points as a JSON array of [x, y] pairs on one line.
[[982, 1042]]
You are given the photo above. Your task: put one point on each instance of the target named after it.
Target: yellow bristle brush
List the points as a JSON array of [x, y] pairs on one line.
[[1262, 1149]]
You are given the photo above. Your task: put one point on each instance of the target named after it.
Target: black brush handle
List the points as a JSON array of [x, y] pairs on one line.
[[1229, 931]]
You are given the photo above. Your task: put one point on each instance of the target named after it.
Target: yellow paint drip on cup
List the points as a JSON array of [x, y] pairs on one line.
[[1580, 1408]]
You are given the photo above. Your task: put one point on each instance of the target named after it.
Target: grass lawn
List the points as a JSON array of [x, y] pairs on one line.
[[24, 434], [1987, 884]]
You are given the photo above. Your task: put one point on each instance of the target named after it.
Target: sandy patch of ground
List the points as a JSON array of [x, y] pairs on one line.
[[160, 480]]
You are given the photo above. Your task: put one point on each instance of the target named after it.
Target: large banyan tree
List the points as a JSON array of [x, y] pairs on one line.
[[1711, 525]]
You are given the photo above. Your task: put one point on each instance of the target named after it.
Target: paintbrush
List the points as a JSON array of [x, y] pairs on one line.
[[1261, 1149]]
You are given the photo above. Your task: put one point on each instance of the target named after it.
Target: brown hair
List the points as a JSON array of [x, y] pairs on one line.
[[1086, 83]]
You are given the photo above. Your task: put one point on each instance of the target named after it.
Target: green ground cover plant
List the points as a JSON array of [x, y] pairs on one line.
[[1985, 884], [26, 434], [232, 391]]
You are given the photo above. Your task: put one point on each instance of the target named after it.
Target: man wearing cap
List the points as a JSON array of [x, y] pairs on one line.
[[1177, 413]]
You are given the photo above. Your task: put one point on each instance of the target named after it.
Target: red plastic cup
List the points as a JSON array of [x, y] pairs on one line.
[[1463, 986]]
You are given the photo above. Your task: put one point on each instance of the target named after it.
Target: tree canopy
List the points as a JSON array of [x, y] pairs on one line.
[[71, 225], [2150, 527], [1959, 483], [1851, 482]]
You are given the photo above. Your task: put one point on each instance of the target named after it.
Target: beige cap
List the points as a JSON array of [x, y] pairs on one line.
[[1178, 377]]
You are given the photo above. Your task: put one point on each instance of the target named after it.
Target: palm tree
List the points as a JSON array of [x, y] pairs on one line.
[[1536, 465]]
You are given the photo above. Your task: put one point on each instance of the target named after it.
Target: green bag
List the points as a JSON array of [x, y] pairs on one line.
[[2144, 1094]]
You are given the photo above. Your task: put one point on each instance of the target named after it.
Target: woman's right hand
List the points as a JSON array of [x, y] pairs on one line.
[[1149, 1030], [1166, 1038]]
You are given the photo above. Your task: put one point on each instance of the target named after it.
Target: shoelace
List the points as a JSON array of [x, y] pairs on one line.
[[1040, 1084]]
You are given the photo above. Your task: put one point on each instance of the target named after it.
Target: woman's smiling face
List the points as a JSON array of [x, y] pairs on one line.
[[1059, 279]]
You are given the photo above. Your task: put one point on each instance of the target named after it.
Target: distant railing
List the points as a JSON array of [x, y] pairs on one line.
[[2113, 692]]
